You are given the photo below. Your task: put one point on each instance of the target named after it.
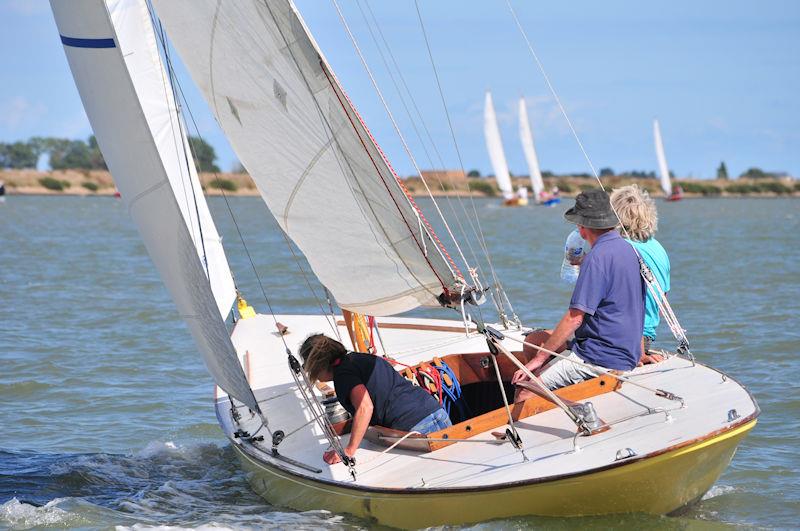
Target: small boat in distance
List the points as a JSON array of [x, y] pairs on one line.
[[540, 196], [494, 144], [663, 169]]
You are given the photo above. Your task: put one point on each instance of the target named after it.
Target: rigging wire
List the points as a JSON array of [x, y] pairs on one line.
[[227, 203], [329, 131], [329, 317], [479, 231], [413, 122], [658, 294], [169, 87], [397, 129]]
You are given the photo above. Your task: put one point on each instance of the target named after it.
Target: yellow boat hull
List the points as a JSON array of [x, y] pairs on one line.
[[657, 484]]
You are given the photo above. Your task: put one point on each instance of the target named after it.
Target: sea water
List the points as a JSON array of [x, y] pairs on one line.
[[105, 406]]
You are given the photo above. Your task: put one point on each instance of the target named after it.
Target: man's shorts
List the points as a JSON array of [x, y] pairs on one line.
[[561, 372]]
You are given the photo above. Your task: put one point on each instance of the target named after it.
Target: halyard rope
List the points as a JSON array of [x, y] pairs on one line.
[[402, 139], [661, 302]]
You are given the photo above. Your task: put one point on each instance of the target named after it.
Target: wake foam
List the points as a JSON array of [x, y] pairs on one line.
[[718, 490], [20, 515]]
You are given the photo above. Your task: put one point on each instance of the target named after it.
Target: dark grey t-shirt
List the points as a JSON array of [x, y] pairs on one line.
[[397, 403]]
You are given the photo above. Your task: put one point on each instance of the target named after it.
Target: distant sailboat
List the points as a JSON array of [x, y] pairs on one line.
[[663, 169], [526, 137], [494, 144]]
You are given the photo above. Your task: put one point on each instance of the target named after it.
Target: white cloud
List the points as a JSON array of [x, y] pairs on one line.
[[19, 112]]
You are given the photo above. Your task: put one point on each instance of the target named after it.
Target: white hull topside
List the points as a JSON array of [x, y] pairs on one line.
[[548, 437]]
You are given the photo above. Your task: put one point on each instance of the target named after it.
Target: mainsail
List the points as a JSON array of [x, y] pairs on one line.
[[494, 144], [663, 169], [112, 52], [526, 137], [316, 165]]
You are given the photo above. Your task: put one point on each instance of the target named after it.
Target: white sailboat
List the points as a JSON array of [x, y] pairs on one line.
[[497, 156], [670, 429], [526, 137], [663, 169]]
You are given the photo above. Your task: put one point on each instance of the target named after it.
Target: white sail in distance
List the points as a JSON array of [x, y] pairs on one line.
[[494, 144], [526, 137], [315, 164], [663, 169], [112, 52]]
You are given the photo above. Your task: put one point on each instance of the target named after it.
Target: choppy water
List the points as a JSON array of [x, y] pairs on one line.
[[105, 407]]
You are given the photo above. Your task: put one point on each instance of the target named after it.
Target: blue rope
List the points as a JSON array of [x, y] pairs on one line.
[[452, 394]]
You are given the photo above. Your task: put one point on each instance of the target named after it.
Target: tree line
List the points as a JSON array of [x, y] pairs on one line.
[[66, 154], [722, 173]]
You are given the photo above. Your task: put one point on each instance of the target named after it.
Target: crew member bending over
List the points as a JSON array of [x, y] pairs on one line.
[[606, 312], [371, 390]]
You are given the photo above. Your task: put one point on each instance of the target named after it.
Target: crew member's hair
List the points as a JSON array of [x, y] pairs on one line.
[[319, 352], [637, 212]]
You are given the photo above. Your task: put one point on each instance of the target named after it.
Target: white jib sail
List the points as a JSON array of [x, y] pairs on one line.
[[663, 169], [111, 49], [526, 137], [318, 169], [494, 144]]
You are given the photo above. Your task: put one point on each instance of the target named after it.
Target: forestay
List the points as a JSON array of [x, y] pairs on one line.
[[111, 49], [526, 137], [663, 169], [317, 167], [494, 144]]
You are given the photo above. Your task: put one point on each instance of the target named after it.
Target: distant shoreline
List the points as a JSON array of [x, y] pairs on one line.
[[100, 183]]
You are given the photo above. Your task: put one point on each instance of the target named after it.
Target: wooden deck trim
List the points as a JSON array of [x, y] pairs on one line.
[[468, 370], [520, 410], [408, 326]]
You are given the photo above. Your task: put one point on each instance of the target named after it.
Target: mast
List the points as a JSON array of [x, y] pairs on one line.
[[112, 52], [494, 144], [526, 137], [663, 169]]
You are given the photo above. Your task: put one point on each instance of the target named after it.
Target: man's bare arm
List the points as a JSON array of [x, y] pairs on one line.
[[564, 329]]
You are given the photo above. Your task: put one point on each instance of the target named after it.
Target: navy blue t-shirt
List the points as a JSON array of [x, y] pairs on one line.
[[397, 403], [610, 291]]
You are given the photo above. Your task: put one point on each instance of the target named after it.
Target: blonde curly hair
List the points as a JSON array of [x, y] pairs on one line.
[[636, 211]]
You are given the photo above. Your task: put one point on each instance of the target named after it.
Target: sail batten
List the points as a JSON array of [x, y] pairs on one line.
[[526, 137], [316, 165], [127, 98], [663, 169], [494, 145]]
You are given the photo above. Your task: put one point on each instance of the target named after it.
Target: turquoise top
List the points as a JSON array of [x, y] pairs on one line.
[[657, 260]]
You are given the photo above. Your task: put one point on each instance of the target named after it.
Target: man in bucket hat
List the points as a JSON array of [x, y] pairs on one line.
[[606, 311]]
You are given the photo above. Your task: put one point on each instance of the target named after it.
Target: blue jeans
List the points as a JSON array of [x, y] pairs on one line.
[[438, 420]]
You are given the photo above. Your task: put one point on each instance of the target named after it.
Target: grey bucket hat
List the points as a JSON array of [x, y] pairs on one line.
[[593, 210]]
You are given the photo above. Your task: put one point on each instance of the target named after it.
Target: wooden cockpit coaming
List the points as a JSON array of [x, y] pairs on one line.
[[476, 375]]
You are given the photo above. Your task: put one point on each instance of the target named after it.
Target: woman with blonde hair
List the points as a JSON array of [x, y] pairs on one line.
[[371, 390], [638, 219]]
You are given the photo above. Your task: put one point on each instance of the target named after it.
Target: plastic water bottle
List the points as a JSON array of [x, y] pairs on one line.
[[575, 248]]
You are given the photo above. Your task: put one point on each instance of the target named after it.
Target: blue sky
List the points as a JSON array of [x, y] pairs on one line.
[[722, 77]]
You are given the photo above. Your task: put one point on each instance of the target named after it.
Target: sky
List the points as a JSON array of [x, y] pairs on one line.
[[721, 76]]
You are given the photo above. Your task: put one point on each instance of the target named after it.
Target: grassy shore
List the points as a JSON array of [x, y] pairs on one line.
[[78, 182]]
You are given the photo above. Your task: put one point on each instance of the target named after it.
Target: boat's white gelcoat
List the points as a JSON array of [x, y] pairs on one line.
[[547, 437]]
